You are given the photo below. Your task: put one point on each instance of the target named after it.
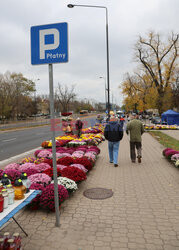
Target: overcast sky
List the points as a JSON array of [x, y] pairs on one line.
[[87, 39]]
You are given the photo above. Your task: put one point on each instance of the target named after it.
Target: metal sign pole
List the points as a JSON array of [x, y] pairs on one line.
[[54, 147]]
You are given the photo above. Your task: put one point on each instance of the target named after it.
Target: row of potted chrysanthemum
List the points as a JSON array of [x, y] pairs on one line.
[[161, 127], [172, 155], [90, 136], [72, 168]]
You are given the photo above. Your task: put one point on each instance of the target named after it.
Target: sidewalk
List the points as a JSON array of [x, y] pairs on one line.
[[143, 212], [172, 133]]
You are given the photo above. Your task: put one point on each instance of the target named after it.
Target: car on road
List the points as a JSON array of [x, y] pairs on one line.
[[156, 120]]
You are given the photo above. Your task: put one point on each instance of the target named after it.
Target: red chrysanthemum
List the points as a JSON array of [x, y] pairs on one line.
[[49, 172], [73, 173], [65, 161], [35, 202], [47, 197], [85, 162]]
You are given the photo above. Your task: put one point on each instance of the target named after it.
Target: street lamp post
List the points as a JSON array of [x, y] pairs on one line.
[[101, 77], [107, 44]]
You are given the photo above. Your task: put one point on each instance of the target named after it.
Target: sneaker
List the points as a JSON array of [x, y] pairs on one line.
[[139, 159], [115, 165], [111, 162]]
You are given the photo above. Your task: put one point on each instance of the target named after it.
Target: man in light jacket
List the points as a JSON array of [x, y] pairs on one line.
[[136, 129]]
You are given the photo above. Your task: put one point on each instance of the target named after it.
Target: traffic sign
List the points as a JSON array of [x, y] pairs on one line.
[[49, 43]]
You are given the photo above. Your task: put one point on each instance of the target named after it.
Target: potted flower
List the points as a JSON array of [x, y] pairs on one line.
[[47, 198]]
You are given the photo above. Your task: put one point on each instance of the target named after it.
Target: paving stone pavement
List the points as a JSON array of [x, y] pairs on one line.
[[143, 212]]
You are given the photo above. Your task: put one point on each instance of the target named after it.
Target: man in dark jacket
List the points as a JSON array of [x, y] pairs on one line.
[[113, 132], [78, 126]]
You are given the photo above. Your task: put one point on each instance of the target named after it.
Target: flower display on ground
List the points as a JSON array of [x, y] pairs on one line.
[[172, 155], [49, 172], [47, 197], [49, 162], [77, 142], [69, 184], [44, 154], [42, 166], [12, 174], [165, 150], [85, 162], [177, 163], [65, 161], [94, 148], [1, 173], [28, 168], [35, 202], [12, 166], [80, 167], [24, 166], [39, 160], [90, 156], [171, 152], [90, 136], [40, 178], [73, 173], [160, 127], [65, 154], [77, 155], [28, 159], [60, 167], [45, 144], [175, 157], [72, 162]]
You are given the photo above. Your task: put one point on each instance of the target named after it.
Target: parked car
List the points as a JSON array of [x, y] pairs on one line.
[[156, 120]]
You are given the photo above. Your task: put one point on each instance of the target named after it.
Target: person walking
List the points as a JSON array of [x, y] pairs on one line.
[[69, 130], [136, 129], [113, 132], [78, 126]]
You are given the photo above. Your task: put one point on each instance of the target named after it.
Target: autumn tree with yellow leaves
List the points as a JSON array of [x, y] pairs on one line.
[[152, 86], [138, 90]]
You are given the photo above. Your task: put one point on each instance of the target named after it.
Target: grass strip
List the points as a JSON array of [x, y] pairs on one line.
[[166, 140]]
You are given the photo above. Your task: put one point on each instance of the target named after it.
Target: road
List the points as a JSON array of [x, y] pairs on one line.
[[16, 142]]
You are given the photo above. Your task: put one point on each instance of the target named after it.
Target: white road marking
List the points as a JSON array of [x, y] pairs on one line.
[[20, 156], [9, 140]]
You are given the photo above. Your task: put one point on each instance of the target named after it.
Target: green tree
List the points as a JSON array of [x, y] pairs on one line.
[[14, 88]]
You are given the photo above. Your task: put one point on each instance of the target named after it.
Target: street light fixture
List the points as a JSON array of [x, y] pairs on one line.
[[107, 44]]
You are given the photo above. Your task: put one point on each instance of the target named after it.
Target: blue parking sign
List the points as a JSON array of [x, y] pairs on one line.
[[49, 43]]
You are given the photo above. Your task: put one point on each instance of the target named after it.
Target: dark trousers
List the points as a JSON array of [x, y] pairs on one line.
[[79, 132], [133, 147]]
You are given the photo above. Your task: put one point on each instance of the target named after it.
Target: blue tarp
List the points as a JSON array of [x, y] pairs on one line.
[[171, 117]]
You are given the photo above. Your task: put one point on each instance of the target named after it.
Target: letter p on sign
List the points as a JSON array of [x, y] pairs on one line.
[[49, 43], [54, 45]]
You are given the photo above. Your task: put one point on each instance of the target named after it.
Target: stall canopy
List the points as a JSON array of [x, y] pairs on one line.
[[171, 117]]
